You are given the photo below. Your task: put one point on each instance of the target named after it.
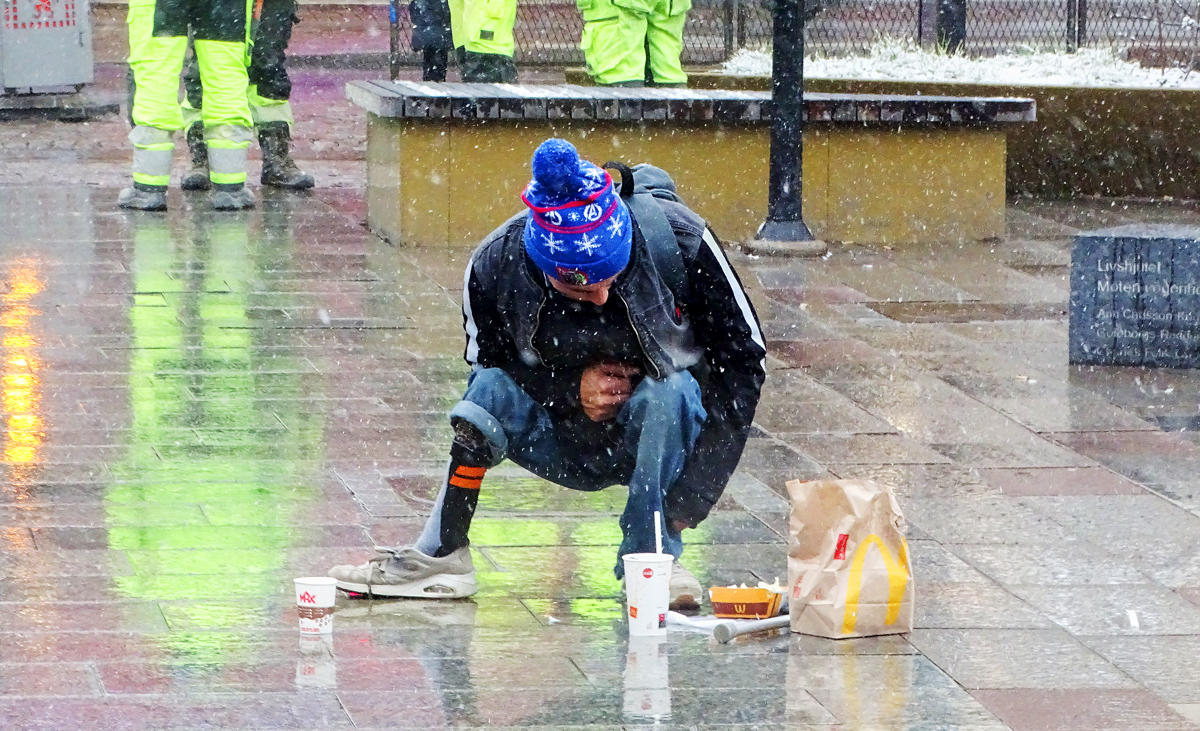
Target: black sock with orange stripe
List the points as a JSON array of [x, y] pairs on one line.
[[458, 506], [462, 487]]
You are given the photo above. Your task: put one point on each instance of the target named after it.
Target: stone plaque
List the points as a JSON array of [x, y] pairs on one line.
[[1135, 297]]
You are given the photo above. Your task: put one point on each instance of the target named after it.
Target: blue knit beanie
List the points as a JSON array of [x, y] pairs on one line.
[[578, 229]]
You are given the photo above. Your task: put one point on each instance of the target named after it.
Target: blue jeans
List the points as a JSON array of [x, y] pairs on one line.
[[658, 426]]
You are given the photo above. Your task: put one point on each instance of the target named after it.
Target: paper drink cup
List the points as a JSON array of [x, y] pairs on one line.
[[647, 592], [314, 600]]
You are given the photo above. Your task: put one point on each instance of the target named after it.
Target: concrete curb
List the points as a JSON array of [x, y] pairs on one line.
[[796, 249]]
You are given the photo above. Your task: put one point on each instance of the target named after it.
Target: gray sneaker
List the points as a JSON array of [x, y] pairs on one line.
[[232, 200], [408, 572], [143, 200], [685, 590]]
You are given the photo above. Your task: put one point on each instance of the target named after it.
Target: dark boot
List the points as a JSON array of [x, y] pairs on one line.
[[197, 177], [278, 168], [141, 197], [232, 197]]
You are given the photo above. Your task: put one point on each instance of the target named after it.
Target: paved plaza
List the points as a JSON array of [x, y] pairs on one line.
[[199, 407]]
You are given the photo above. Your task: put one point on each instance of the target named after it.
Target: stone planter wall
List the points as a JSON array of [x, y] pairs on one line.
[[1106, 142]]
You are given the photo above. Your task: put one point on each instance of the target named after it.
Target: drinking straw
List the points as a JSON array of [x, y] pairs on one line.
[[657, 533]]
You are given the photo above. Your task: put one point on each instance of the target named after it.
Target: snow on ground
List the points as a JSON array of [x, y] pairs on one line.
[[898, 60]]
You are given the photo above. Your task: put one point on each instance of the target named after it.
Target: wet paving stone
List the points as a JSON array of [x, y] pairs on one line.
[[1167, 665], [1157, 536], [1018, 658], [865, 449], [1061, 481], [1106, 610], [974, 606], [912, 690], [1049, 563], [58, 680], [1055, 709]]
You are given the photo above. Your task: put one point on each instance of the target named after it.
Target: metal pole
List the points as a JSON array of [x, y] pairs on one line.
[[784, 221], [394, 50], [730, 31], [1072, 28], [1081, 22], [741, 24]]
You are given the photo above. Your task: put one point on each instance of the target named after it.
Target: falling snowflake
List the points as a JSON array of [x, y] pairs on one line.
[[588, 244]]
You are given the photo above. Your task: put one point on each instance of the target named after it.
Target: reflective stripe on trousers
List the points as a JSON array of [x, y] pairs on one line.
[[153, 152], [228, 147]]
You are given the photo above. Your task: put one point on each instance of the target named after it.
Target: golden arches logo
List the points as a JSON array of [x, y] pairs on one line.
[[897, 573]]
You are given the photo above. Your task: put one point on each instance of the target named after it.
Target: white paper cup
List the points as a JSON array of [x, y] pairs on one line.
[[647, 691], [314, 600], [647, 592]]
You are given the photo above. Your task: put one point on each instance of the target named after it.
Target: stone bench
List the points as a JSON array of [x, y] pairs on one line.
[[1135, 297], [446, 162]]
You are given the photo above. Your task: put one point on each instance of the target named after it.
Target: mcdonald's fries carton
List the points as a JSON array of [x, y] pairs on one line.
[[848, 569], [742, 602]]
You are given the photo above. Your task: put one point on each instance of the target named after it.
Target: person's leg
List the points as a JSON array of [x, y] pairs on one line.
[[434, 62], [661, 422], [664, 43], [193, 101], [227, 121], [486, 68], [496, 419], [155, 61], [432, 36], [613, 44], [269, 93]]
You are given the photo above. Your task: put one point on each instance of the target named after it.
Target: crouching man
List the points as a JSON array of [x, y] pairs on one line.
[[597, 360]]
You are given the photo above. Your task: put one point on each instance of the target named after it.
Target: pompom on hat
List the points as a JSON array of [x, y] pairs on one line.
[[578, 230]]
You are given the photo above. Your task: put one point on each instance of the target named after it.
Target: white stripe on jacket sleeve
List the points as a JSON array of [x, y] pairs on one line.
[[469, 318], [739, 294]]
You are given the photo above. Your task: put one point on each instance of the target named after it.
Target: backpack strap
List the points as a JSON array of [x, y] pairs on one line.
[[656, 229]]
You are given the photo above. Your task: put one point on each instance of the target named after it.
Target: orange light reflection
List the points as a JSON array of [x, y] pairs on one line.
[[20, 387]]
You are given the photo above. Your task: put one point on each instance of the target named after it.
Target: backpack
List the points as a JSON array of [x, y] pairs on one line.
[[640, 186]]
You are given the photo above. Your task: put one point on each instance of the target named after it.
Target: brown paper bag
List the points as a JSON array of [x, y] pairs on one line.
[[847, 560]]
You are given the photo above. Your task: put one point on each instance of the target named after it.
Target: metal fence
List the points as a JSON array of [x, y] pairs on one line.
[[1157, 32]]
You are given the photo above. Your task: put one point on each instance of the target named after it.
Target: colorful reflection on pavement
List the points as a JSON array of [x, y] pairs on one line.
[[20, 397]]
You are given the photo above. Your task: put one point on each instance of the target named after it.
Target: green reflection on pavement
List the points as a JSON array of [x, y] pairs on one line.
[[200, 435]]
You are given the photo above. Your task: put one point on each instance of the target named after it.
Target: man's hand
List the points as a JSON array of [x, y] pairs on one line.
[[604, 389]]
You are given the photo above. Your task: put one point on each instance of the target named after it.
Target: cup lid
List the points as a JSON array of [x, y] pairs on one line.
[[647, 557]]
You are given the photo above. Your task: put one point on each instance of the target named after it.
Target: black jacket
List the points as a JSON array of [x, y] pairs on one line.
[[714, 334]]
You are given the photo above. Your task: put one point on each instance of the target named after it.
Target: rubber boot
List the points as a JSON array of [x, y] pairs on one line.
[[144, 197], [197, 177], [278, 168], [232, 198]]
